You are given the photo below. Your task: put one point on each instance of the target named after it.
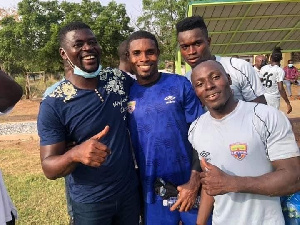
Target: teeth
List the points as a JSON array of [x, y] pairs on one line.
[[89, 57], [145, 67], [211, 96]]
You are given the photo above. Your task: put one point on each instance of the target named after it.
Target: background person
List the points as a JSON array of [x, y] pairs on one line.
[[254, 159], [194, 43], [260, 61], [272, 77], [291, 76], [10, 93], [124, 65], [89, 109], [161, 109]]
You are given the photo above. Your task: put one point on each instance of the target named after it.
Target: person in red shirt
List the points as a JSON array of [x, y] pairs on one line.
[[291, 76]]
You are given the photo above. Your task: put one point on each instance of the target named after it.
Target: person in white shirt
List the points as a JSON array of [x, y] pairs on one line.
[[260, 61], [194, 43], [10, 94], [272, 76], [248, 153]]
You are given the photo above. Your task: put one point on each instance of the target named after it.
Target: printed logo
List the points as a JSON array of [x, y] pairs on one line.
[[131, 106], [238, 150], [205, 155], [170, 99]]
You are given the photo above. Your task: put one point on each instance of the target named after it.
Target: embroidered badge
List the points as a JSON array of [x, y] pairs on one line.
[[238, 150], [170, 99], [131, 106], [65, 90]]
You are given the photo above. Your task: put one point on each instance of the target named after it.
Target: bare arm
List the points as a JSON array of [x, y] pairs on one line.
[[205, 208], [260, 99], [58, 162], [284, 180], [10, 92], [284, 96]]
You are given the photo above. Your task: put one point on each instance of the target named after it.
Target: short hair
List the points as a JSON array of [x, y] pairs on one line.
[[141, 34], [191, 23], [77, 25], [276, 55], [122, 50]]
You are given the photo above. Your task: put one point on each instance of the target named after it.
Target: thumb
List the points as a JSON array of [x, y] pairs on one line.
[[179, 188], [205, 165], [101, 134]]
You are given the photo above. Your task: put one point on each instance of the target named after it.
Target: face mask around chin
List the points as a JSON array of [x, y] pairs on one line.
[[290, 65], [80, 72]]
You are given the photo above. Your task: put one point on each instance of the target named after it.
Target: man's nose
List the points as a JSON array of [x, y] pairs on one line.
[[143, 57], [209, 84], [192, 50], [87, 46]]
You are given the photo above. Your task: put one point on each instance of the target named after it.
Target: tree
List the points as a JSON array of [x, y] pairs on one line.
[[160, 17], [29, 41]]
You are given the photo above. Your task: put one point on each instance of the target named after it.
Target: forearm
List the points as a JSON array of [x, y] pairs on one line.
[[205, 208], [260, 99], [283, 93], [57, 166], [283, 181], [195, 180]]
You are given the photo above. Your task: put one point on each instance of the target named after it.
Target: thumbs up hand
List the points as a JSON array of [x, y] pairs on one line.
[[214, 181], [92, 152]]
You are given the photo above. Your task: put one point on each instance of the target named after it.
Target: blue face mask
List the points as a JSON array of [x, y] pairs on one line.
[[80, 72], [84, 74]]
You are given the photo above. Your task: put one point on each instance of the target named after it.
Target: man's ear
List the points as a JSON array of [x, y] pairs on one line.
[[209, 41], [63, 54], [229, 79]]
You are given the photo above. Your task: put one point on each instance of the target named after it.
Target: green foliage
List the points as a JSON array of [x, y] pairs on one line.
[[160, 17], [29, 41], [21, 81]]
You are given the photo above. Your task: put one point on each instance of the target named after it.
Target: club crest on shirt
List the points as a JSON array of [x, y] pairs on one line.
[[131, 106], [238, 150], [170, 99]]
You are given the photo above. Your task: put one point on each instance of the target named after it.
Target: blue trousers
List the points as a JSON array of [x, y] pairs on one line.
[[123, 211], [157, 214]]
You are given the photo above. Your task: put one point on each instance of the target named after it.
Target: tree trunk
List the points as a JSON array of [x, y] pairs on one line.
[[27, 87]]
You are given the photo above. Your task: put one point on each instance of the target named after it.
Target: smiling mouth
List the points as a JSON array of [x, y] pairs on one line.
[[89, 57], [147, 67], [213, 96]]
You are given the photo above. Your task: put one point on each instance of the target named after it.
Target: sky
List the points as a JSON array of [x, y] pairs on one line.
[[133, 7]]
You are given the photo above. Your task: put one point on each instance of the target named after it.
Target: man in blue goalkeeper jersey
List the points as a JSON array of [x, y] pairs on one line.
[[162, 106]]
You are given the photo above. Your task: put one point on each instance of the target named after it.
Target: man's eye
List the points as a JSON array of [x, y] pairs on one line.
[[216, 77], [136, 53], [198, 84], [184, 47], [198, 43], [151, 52], [93, 42], [78, 45]]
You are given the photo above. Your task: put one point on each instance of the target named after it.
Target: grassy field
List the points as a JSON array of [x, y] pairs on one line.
[[38, 200]]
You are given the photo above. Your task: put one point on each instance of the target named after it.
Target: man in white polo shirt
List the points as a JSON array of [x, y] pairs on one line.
[[248, 152]]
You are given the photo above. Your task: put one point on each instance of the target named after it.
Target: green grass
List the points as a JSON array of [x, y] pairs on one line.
[[37, 199]]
